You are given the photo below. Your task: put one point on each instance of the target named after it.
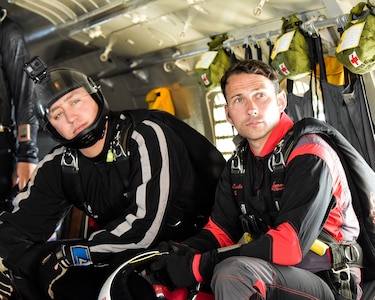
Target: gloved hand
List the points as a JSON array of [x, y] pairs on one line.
[[184, 267], [6, 287], [55, 264], [174, 247]]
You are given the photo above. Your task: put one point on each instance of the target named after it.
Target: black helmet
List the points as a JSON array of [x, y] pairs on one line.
[[55, 84]]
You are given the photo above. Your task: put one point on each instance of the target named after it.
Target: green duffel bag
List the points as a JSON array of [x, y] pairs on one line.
[[213, 64], [356, 48], [290, 53]]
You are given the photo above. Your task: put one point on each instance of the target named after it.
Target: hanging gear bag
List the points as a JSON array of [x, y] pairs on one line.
[[290, 54], [213, 64], [356, 48]]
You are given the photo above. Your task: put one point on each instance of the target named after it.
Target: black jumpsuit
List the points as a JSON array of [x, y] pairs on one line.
[[130, 204]]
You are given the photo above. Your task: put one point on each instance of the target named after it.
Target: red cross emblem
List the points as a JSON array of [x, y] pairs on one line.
[[354, 59], [284, 69], [205, 79]]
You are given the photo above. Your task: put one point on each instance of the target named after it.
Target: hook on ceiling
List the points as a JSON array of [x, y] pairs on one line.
[[258, 10]]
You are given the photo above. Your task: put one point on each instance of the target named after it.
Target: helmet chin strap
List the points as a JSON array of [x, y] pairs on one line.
[[97, 147], [90, 136]]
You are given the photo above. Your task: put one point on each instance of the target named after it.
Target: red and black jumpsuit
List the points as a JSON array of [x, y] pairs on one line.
[[278, 264]]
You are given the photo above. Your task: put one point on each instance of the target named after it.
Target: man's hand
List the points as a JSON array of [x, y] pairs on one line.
[[22, 174], [174, 247], [55, 265], [175, 269], [183, 266], [6, 287]]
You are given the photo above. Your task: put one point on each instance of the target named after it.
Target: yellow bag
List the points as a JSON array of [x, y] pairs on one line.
[[334, 70], [161, 99]]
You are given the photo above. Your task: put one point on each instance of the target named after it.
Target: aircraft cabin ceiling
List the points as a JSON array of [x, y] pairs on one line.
[[58, 30]]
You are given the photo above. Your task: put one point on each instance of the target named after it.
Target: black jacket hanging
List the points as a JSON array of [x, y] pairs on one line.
[[346, 109]]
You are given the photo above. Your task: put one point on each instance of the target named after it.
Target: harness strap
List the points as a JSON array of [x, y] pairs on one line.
[[238, 175], [276, 164], [71, 178], [343, 256]]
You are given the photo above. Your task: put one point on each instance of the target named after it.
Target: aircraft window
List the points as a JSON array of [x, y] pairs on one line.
[[224, 132]]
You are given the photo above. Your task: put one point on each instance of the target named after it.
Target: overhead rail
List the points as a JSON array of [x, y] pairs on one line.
[[310, 26]]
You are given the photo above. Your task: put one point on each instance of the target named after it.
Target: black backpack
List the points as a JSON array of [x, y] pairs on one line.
[[207, 161], [361, 179]]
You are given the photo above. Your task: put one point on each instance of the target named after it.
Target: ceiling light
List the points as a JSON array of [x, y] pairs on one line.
[[202, 10], [190, 2], [142, 75]]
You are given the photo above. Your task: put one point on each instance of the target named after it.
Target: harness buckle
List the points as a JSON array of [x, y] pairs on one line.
[[341, 280], [343, 271], [237, 166], [276, 160], [69, 161], [118, 151]]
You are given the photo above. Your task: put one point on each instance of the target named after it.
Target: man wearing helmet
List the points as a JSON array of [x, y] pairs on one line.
[[59, 83], [128, 195]]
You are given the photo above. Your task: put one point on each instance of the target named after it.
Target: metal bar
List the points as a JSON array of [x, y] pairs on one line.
[[309, 26]]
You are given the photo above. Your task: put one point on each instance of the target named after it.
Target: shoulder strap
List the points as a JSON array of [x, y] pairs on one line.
[[276, 164], [71, 179], [121, 149], [126, 132], [237, 164], [76, 222]]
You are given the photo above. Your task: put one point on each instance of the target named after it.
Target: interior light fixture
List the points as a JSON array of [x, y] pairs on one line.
[[201, 9], [141, 74], [130, 41]]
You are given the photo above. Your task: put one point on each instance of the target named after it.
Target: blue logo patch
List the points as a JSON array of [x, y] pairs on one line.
[[81, 255]]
